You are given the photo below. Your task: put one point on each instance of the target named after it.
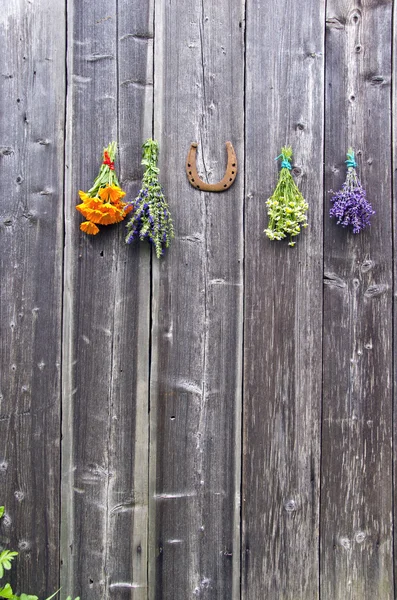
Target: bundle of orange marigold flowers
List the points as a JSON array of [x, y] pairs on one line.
[[102, 204]]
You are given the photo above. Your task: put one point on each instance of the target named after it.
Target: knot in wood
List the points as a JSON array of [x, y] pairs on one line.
[[290, 506]]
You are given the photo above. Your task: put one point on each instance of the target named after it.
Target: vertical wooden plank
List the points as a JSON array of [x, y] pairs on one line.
[[107, 301], [356, 511], [31, 246], [394, 237], [197, 307], [283, 306]]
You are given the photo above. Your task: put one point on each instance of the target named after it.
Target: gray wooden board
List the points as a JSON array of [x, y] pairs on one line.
[[197, 307], [394, 349], [31, 226], [107, 301], [283, 306], [356, 491]]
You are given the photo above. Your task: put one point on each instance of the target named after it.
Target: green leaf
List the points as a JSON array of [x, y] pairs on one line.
[[27, 597], [6, 558], [54, 594], [1, 511], [6, 591]]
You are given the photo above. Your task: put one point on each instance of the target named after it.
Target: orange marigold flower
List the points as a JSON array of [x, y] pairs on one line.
[[128, 208], [84, 196], [124, 206], [110, 214], [102, 204], [111, 193], [89, 227], [84, 209], [105, 214]]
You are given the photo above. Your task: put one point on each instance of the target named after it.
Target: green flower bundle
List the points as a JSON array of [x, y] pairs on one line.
[[151, 217], [286, 206]]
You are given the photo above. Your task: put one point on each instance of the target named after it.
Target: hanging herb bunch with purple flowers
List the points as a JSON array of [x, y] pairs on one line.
[[151, 217], [350, 206]]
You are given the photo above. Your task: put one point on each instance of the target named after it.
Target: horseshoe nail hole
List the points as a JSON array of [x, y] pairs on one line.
[[190, 172], [232, 172], [189, 165], [192, 179], [225, 185], [231, 179], [198, 187], [233, 164]]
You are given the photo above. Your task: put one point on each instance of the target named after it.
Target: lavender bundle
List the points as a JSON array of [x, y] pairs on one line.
[[151, 217], [350, 206], [286, 206]]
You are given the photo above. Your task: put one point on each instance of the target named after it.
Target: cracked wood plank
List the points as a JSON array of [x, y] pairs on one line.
[[356, 496], [31, 248], [197, 326], [107, 302], [283, 306]]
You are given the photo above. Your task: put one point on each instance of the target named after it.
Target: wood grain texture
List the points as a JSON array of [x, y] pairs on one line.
[[107, 302], [139, 492], [197, 307], [356, 507], [31, 244], [283, 306], [394, 234]]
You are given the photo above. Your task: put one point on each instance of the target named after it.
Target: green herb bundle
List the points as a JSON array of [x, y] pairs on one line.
[[286, 206]]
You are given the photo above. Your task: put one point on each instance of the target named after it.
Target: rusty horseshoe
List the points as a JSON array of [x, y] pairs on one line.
[[221, 186]]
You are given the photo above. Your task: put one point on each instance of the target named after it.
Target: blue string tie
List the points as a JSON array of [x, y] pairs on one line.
[[350, 162], [285, 162]]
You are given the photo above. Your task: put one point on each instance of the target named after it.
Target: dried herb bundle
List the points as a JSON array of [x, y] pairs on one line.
[[286, 206]]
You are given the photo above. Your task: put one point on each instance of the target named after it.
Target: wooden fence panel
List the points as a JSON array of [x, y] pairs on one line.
[[149, 506], [107, 302], [283, 306], [31, 246], [356, 498], [197, 307]]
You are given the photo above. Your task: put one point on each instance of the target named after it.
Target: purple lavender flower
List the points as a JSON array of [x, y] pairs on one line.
[[350, 206], [151, 219]]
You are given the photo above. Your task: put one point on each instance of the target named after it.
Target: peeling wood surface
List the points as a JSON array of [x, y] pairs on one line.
[[217, 424]]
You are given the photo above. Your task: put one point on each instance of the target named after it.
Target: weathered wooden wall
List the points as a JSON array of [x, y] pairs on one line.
[[217, 424]]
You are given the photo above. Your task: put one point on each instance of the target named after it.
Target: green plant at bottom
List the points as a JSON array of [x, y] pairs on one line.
[[6, 558]]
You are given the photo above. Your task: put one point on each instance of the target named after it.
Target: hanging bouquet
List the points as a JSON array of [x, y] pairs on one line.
[[286, 206], [151, 217], [350, 206], [102, 204]]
